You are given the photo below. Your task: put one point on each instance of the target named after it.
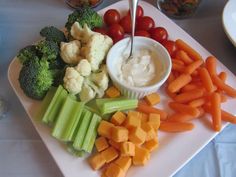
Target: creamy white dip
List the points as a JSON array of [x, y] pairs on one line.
[[139, 71]]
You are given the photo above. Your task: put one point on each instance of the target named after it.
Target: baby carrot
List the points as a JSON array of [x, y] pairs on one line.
[[173, 127], [183, 108], [170, 94], [177, 67], [180, 117], [198, 102], [189, 87], [179, 82], [142, 107], [211, 65], [182, 55], [228, 117], [178, 62], [223, 76], [171, 77], [221, 85], [193, 66], [189, 50], [189, 96], [216, 111], [206, 79]]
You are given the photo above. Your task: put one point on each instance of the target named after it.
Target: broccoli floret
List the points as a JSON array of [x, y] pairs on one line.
[[49, 50], [35, 78], [84, 15], [51, 33], [27, 53]]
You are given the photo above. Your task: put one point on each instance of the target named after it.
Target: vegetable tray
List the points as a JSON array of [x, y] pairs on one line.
[[174, 151]]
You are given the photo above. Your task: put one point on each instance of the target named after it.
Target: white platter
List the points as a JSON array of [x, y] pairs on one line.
[[229, 20], [175, 150]]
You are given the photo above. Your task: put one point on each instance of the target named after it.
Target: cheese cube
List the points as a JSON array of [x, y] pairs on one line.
[[119, 134], [154, 120], [152, 99], [101, 144], [110, 154], [124, 163], [133, 120], [118, 118], [137, 135], [127, 149], [151, 145], [141, 156], [104, 129], [97, 161], [114, 144], [113, 170]]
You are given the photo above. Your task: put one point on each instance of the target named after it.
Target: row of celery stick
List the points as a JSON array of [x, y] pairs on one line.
[[75, 123]]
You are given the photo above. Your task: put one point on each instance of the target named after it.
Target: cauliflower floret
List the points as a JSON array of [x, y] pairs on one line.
[[96, 49], [87, 93], [84, 67], [101, 78], [73, 81], [70, 52], [80, 33]]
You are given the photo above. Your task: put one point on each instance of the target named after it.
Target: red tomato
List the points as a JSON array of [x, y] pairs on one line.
[[159, 34], [145, 23], [125, 22], [139, 12], [111, 16], [100, 30], [142, 33], [170, 46], [116, 32]]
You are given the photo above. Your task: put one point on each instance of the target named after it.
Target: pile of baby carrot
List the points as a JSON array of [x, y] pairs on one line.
[[196, 88]]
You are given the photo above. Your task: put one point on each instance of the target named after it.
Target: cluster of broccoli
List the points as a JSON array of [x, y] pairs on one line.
[[42, 65]]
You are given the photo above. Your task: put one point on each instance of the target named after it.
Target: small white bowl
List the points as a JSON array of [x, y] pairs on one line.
[[122, 47]]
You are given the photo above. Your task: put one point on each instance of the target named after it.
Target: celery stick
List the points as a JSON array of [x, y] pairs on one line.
[[68, 119], [92, 127], [52, 112], [45, 103], [80, 135], [118, 105], [92, 141], [101, 101], [74, 152]]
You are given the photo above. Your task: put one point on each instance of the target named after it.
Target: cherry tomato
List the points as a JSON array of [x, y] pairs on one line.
[[116, 32], [142, 33], [139, 12], [159, 34], [100, 30], [170, 46], [111, 16], [125, 22], [145, 23]]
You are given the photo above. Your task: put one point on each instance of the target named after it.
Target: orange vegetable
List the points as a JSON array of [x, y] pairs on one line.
[[142, 107], [124, 163], [177, 67], [216, 111], [170, 94], [220, 84], [198, 102], [193, 66], [104, 128], [112, 92], [118, 118], [97, 161], [141, 157], [137, 135], [151, 145], [101, 143], [152, 99], [189, 96], [223, 76], [180, 117], [178, 62], [171, 77], [127, 149], [176, 126], [119, 134], [110, 154], [113, 170], [182, 108], [211, 65], [179, 82], [189, 50], [182, 55], [190, 86], [206, 79]]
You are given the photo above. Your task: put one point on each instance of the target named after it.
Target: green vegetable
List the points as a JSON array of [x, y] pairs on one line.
[[84, 15], [48, 49], [83, 127], [90, 132], [74, 152], [55, 105], [106, 106], [35, 78], [28, 53], [68, 119], [51, 33]]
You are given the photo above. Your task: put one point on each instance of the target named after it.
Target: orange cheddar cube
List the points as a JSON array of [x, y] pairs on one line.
[[151, 145], [97, 161], [137, 136], [119, 134], [133, 120], [118, 118], [150, 132], [114, 144], [141, 157], [154, 120], [104, 129], [113, 170], [144, 117], [112, 92], [109, 154], [101, 143], [152, 99], [127, 149], [124, 163]]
